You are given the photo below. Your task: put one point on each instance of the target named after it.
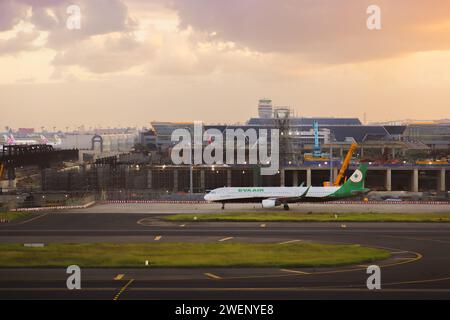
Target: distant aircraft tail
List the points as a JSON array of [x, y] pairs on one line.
[[58, 140], [44, 140], [10, 140]]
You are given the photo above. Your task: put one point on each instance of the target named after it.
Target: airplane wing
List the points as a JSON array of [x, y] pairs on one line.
[[290, 198]]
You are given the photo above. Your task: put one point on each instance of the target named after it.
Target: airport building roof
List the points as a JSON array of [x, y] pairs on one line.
[[308, 121]]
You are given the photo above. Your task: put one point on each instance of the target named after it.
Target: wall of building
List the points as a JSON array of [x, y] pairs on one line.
[[170, 179]]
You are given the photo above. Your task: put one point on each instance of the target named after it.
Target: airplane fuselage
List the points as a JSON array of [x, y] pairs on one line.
[[275, 196]]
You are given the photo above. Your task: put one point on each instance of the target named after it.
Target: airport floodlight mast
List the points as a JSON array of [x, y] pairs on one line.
[[191, 187], [282, 123]]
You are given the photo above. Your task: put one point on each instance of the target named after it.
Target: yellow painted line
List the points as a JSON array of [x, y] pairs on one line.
[[403, 258], [225, 239], [212, 275], [119, 277], [290, 241], [294, 271], [363, 265], [157, 238], [399, 252], [123, 289]]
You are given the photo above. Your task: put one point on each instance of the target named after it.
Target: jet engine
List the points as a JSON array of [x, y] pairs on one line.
[[270, 203]]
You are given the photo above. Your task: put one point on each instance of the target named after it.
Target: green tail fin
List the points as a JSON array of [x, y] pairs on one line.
[[356, 180]]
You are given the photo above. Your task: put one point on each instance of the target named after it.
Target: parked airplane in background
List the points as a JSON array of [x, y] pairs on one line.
[[275, 196], [57, 141], [10, 140]]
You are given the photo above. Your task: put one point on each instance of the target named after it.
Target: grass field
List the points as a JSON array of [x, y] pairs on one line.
[[311, 217], [187, 255], [11, 216]]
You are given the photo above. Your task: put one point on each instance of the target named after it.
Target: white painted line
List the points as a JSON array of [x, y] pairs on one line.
[[263, 225], [294, 271], [157, 238], [290, 241], [225, 239], [211, 275], [182, 225]]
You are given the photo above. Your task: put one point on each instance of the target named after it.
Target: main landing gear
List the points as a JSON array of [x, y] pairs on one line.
[[286, 206], [223, 205]]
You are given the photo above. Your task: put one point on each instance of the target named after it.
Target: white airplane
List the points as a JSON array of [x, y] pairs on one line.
[[12, 141], [271, 197]]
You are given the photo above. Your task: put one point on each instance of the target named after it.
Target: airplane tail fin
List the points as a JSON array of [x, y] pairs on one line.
[[10, 139], [356, 180], [57, 139]]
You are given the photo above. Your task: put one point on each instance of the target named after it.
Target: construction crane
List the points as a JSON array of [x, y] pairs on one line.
[[345, 164]]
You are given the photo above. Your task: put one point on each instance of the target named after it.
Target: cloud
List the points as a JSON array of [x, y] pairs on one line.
[[11, 13], [107, 54], [23, 41], [324, 31]]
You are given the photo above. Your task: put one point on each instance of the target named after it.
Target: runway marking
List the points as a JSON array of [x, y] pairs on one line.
[[143, 222], [418, 257], [182, 225], [123, 289], [276, 289], [157, 238], [416, 281], [225, 239], [419, 239], [290, 241], [263, 225], [119, 276], [294, 271], [399, 252], [32, 219], [212, 275], [363, 265]]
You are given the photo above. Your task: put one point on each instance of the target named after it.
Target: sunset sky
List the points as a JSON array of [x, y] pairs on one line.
[[134, 61]]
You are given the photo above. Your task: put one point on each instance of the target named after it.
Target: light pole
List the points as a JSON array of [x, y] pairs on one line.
[[191, 187], [331, 165]]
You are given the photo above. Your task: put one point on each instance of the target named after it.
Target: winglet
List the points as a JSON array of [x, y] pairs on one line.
[[304, 193]]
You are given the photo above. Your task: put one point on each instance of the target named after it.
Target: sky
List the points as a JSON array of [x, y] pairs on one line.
[[131, 62]]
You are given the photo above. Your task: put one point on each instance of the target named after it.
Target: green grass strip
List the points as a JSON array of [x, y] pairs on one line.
[[187, 255]]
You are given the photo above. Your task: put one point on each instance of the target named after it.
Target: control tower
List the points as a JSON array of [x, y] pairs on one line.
[[265, 108]]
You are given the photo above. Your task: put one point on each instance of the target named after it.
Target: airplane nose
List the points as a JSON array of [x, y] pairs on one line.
[[207, 197]]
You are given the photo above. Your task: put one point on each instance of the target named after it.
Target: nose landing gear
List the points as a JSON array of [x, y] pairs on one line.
[[286, 207]]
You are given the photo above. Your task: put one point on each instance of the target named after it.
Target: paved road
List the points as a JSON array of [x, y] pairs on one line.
[[419, 267], [165, 208]]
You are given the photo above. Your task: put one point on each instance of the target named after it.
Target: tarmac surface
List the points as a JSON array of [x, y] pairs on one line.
[[419, 267]]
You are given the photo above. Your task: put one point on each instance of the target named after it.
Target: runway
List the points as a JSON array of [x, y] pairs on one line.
[[419, 267]]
